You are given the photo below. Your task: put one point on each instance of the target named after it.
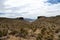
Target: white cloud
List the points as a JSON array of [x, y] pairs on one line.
[[30, 8]]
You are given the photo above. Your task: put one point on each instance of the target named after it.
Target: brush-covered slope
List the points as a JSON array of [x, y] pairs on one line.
[[48, 28], [8, 22], [43, 28], [12, 26]]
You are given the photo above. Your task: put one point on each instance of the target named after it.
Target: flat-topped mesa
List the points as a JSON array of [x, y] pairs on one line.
[[20, 18], [41, 17]]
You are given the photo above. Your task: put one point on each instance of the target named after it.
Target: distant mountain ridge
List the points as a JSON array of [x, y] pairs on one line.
[[26, 19], [30, 20]]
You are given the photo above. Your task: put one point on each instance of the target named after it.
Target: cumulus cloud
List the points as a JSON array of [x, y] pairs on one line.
[[30, 8]]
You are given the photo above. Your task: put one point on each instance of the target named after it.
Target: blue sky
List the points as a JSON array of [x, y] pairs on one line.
[[29, 8], [53, 1]]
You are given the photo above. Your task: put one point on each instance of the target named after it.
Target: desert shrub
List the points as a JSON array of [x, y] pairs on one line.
[[3, 32], [57, 31], [13, 32], [43, 30], [58, 37], [39, 37], [23, 33], [33, 27], [49, 37]]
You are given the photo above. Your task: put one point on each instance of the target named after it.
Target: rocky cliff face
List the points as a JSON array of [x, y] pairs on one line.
[[43, 28]]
